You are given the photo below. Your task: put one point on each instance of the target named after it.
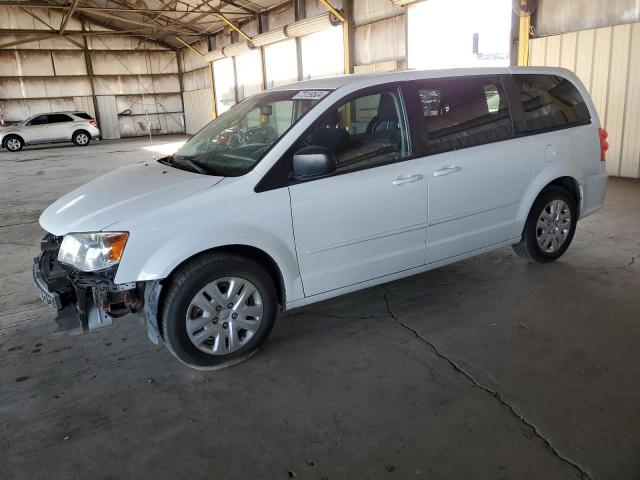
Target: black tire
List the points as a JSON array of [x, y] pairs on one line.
[[13, 143], [183, 287], [528, 247], [81, 138]]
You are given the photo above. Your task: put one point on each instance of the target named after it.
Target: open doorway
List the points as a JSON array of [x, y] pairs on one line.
[[459, 33]]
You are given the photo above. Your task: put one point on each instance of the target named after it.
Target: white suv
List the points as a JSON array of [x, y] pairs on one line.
[[76, 127], [316, 189]]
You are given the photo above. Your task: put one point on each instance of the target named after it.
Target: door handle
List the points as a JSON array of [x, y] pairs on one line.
[[446, 170], [407, 179]]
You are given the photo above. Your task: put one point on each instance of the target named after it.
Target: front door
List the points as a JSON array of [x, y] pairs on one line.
[[369, 218], [477, 171], [36, 130]]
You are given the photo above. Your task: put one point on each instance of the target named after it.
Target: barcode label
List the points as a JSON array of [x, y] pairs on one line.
[[310, 94]]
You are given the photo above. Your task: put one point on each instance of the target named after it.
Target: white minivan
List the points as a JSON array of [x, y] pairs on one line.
[[323, 187]]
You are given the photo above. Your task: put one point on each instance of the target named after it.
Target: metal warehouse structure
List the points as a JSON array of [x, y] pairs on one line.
[[155, 66]]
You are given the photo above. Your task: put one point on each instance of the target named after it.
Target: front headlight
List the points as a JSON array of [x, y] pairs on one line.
[[90, 252]]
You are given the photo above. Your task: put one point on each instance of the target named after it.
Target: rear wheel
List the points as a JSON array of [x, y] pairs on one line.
[[81, 138], [13, 143], [218, 310], [550, 226]]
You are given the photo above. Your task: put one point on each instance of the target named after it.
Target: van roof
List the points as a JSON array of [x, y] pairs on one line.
[[369, 79]]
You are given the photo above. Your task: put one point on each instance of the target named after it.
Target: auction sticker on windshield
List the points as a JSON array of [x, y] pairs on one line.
[[310, 94]]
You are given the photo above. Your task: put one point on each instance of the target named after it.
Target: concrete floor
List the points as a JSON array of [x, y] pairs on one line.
[[491, 368]]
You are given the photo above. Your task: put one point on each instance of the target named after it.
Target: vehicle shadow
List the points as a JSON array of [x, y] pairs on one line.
[[50, 146]]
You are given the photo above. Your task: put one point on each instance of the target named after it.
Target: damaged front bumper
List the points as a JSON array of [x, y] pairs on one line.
[[90, 300]]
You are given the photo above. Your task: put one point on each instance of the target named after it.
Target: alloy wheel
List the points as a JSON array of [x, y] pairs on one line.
[[553, 227], [13, 144], [224, 315]]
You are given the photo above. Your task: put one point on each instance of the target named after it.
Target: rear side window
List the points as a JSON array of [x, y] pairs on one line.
[[86, 116], [549, 102], [59, 118], [462, 112]]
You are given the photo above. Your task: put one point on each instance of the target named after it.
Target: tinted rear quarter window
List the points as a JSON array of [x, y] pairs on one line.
[[549, 102], [59, 118], [462, 112], [86, 116]]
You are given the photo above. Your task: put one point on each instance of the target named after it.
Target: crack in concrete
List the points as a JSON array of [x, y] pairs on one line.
[[633, 261], [331, 315], [497, 395], [508, 278]]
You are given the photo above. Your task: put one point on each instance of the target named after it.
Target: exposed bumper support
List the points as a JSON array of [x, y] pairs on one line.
[[96, 298]]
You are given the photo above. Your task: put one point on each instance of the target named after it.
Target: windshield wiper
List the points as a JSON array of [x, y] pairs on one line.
[[191, 164]]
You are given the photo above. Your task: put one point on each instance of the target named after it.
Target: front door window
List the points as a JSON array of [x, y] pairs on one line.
[[365, 132]]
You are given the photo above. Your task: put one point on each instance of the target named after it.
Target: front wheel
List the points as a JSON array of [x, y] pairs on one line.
[[13, 143], [550, 226], [218, 310], [81, 138]]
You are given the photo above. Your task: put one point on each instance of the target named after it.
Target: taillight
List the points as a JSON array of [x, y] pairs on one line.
[[604, 145], [93, 122]]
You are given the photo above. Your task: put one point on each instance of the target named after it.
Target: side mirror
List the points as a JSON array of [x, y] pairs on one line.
[[313, 161]]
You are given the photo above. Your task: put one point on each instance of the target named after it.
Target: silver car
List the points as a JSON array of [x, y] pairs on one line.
[[77, 127]]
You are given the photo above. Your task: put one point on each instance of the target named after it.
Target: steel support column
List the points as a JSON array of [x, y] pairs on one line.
[[348, 35], [523, 40], [299, 14], [89, 67]]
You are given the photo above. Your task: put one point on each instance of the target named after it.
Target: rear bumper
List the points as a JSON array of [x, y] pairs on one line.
[[594, 188]]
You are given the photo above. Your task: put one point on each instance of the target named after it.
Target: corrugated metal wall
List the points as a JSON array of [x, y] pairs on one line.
[[198, 106], [197, 94], [379, 34], [554, 17], [37, 76], [607, 60], [85, 104]]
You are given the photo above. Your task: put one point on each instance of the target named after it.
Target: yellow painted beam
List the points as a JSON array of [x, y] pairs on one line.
[[214, 108], [333, 10], [189, 46], [523, 40], [240, 32], [347, 49]]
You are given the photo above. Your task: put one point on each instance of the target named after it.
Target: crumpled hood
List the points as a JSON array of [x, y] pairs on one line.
[[120, 194]]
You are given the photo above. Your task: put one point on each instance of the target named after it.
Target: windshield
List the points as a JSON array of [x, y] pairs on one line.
[[236, 141]]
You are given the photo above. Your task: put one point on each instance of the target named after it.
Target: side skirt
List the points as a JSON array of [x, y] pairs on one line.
[[396, 276]]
